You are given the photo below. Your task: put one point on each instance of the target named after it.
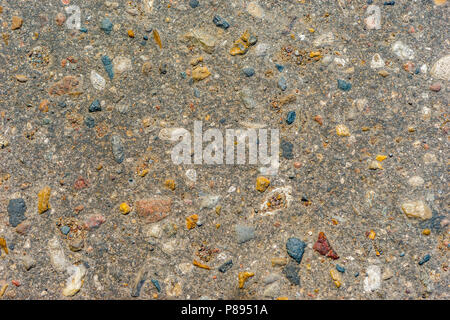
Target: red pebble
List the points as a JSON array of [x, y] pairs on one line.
[[94, 221], [81, 183], [16, 283], [323, 247], [436, 87]]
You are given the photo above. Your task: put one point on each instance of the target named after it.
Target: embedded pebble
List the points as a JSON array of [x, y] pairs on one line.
[[117, 148], [244, 233], [441, 68], [416, 209], [16, 210], [372, 282], [295, 248], [98, 82]]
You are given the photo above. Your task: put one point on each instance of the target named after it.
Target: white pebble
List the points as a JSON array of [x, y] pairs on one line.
[[373, 280]]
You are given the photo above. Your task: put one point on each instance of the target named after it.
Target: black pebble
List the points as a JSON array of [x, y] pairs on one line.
[[291, 273], [226, 266]]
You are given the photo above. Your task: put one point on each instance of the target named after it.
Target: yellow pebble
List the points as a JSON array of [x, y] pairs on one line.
[[170, 184], [279, 262], [262, 184], [131, 33], [311, 30], [3, 289], [3, 245], [200, 73], [342, 130], [43, 199], [381, 158], [374, 165], [243, 276], [426, 232], [125, 208], [334, 275], [336, 278], [372, 235], [313, 54], [201, 265], [191, 221]]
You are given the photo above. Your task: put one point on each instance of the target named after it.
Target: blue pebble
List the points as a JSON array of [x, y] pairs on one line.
[[16, 210], [183, 75], [424, 259], [295, 248], [344, 85], [221, 22], [107, 63], [156, 284], [65, 230], [389, 3], [287, 148], [252, 40], [279, 67], [340, 268], [402, 254], [193, 3], [143, 43], [62, 104], [106, 25], [83, 29], [417, 71], [290, 117], [145, 38], [282, 83], [369, 1], [95, 106], [249, 72], [197, 93], [11, 246], [356, 274], [89, 122]]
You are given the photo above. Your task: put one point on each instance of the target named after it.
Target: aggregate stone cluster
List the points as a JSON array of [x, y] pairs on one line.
[[93, 207]]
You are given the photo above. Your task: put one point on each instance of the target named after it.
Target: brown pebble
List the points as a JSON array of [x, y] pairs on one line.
[[23, 227], [318, 119], [43, 106], [146, 68], [60, 18], [16, 23]]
